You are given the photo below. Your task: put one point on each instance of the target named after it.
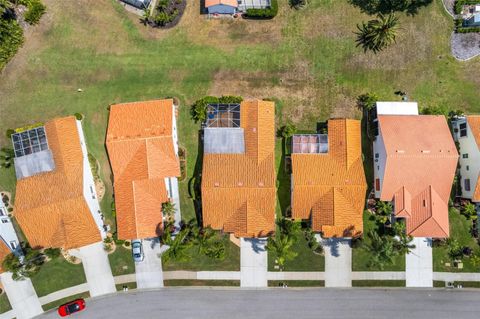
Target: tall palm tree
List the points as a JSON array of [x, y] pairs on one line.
[[281, 246], [178, 246], [382, 250], [384, 208], [377, 34]]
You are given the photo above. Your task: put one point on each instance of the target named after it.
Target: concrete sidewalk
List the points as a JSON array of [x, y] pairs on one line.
[[97, 269], [22, 296], [338, 262], [253, 262], [419, 264], [149, 273]]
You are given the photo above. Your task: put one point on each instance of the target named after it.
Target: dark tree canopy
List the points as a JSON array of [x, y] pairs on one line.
[[386, 6]]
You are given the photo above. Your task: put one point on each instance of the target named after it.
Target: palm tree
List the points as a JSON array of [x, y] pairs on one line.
[[281, 247], [382, 250], [402, 242], [289, 228], [470, 211], [384, 208], [377, 34], [168, 209], [146, 15], [203, 237], [286, 132], [178, 246]]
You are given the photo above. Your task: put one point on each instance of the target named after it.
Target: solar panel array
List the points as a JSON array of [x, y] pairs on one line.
[[29, 142]]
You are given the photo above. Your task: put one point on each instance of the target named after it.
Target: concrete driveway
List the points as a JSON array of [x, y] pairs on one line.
[[418, 264], [253, 262], [149, 272], [97, 269], [22, 296], [338, 262]]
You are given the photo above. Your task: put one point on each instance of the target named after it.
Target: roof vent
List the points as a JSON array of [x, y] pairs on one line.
[[216, 184], [400, 151], [425, 151], [240, 184], [260, 184], [254, 130]]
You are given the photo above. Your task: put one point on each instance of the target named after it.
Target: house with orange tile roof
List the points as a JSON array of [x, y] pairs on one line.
[[328, 180], [56, 203], [415, 159], [467, 133], [238, 176], [143, 150], [9, 242]]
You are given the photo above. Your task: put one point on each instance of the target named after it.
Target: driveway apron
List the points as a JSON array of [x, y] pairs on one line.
[[338, 262], [149, 272], [253, 262], [418, 264], [22, 296]]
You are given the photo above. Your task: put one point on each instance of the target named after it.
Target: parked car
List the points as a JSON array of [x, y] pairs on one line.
[[71, 307], [137, 250]]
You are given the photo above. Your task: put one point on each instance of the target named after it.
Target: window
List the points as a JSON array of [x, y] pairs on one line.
[[465, 155], [3, 212], [463, 129], [377, 155], [467, 168], [424, 203], [13, 244], [377, 184], [466, 184], [5, 221]]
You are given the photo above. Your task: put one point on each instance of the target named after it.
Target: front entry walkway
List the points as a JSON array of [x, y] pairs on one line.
[[418, 264], [149, 273], [253, 262], [97, 269], [22, 296], [338, 261]]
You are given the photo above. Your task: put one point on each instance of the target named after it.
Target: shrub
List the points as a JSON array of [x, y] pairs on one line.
[[267, 13], [9, 131], [11, 38], [298, 4], [460, 3], [52, 253], [127, 244], [468, 29], [35, 11], [79, 116]]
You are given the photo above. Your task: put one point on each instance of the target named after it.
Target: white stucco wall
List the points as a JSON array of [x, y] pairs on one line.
[[89, 192], [7, 232], [380, 162], [469, 146]]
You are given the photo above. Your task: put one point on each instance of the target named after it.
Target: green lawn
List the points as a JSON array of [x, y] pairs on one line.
[[4, 303], [297, 283], [459, 230], [121, 261], [378, 283], [185, 282], [360, 257], [198, 262], [57, 274], [57, 303], [306, 260], [130, 285]]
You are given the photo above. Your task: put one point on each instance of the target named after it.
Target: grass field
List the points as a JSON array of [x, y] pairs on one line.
[[459, 230], [57, 274], [185, 282], [306, 60], [4, 303], [200, 262], [121, 262]]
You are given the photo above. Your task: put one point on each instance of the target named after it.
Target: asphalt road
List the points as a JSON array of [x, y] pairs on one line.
[[288, 303]]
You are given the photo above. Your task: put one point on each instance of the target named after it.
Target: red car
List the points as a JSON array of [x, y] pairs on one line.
[[71, 307]]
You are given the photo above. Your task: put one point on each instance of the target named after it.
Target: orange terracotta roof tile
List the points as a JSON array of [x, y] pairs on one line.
[[422, 159], [232, 3], [142, 154], [238, 190], [329, 188], [50, 206], [474, 124], [4, 252]]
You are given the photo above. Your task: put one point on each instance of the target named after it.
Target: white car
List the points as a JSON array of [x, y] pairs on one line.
[[137, 250]]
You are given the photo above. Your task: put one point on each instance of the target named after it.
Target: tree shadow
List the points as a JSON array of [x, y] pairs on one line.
[[195, 182], [371, 7]]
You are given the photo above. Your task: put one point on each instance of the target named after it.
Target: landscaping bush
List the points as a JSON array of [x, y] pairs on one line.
[[166, 12], [468, 29], [9, 131], [52, 253], [460, 3], [267, 13], [11, 38], [198, 110], [79, 116], [35, 11]]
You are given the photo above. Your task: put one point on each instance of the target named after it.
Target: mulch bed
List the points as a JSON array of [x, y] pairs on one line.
[[173, 5]]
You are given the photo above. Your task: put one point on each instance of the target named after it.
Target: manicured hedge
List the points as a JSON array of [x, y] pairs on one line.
[[460, 3], [267, 13], [468, 29]]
